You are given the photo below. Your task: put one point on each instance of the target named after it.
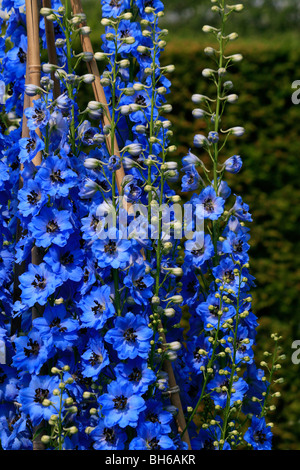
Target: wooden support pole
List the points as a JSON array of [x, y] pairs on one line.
[[51, 49], [34, 76]]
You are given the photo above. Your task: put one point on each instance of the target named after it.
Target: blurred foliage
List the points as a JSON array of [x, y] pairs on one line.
[[270, 149], [258, 17], [268, 182]]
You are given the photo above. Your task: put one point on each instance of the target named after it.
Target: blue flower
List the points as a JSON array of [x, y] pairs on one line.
[[112, 251], [31, 352], [30, 146], [56, 327], [37, 116], [139, 284], [220, 396], [37, 284], [259, 435], [32, 397], [149, 437], [51, 226], [191, 179], [213, 205], [31, 198], [130, 337], [55, 177], [97, 307], [114, 8], [65, 262], [209, 312], [136, 371], [225, 272], [233, 164], [108, 438], [95, 358], [120, 405], [199, 249]]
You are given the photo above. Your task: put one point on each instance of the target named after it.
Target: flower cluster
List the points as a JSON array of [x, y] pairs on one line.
[[95, 273]]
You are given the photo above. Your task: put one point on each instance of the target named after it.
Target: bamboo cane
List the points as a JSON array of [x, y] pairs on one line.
[[52, 56], [100, 96], [34, 75]]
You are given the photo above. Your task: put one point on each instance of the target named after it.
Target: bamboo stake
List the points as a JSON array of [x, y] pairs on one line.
[[51, 49], [34, 75], [100, 96], [99, 92]]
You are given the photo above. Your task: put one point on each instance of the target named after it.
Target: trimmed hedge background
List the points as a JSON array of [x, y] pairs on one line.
[[268, 182]]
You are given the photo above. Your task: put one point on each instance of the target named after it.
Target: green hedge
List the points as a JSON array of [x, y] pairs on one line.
[[268, 182]]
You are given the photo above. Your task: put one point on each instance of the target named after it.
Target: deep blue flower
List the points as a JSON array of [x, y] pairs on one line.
[[108, 438], [55, 177], [220, 397], [191, 180], [112, 251], [37, 284], [51, 226], [114, 8], [213, 205], [37, 116], [139, 284], [130, 337], [65, 262], [259, 435], [30, 146], [120, 405], [31, 198], [94, 358], [209, 312], [199, 249], [31, 352], [56, 327], [149, 437], [136, 371], [233, 164], [32, 397], [97, 307]]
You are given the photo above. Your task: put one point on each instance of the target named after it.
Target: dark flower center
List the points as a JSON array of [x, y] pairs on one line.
[[67, 258], [135, 375], [154, 443], [38, 115], [110, 247], [30, 144], [98, 308], [109, 435], [94, 222], [140, 100], [259, 437], [22, 56], [33, 197], [199, 252], [57, 323], [33, 348], [140, 284], [39, 281], [229, 276], [125, 33], [153, 417], [40, 395], [208, 205], [95, 359], [130, 335], [120, 402], [52, 226], [2, 376], [56, 177], [238, 247]]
